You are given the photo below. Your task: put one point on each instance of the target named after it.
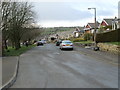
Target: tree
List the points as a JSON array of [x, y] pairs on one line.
[[22, 15], [31, 33], [5, 19], [104, 28], [88, 36], [15, 16]]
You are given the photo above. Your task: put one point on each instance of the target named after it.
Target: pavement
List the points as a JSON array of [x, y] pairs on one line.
[[9, 71], [10, 65]]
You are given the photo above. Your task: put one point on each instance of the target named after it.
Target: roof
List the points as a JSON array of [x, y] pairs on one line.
[[82, 31], [108, 21], [92, 25]]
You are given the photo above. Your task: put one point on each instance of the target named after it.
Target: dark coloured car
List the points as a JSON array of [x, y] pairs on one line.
[[39, 43], [58, 42]]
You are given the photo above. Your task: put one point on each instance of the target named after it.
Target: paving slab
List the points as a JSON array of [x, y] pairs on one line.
[[9, 70]]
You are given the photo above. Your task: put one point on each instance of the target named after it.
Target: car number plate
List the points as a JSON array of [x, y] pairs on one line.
[[67, 45]]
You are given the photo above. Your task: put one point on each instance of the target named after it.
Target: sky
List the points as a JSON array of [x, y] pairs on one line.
[[55, 13]]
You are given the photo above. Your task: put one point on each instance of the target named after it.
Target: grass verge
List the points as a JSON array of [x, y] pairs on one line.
[[13, 52], [85, 42], [113, 43]]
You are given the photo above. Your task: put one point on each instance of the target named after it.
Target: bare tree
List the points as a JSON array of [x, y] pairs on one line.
[[15, 17], [31, 34], [21, 14], [5, 9]]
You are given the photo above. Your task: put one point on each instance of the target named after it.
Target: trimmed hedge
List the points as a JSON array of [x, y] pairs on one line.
[[111, 36]]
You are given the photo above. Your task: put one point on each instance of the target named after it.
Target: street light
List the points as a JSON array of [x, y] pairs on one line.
[[95, 48]]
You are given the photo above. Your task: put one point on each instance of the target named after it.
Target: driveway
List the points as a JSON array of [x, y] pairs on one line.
[[49, 67]]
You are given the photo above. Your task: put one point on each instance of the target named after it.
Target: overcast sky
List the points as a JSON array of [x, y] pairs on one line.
[[72, 12]]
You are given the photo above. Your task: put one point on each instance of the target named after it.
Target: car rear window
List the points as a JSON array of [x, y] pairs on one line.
[[67, 42]]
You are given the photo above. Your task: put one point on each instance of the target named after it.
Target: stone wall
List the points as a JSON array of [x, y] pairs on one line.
[[109, 47]]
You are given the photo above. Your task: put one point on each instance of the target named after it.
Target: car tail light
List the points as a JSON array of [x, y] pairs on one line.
[[63, 45], [71, 45]]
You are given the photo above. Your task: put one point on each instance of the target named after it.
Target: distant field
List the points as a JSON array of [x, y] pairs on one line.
[[47, 31]]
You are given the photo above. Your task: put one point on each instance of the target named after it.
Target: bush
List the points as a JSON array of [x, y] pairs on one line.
[[88, 36], [78, 39]]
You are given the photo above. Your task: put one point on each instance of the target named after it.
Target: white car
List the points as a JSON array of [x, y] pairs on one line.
[[66, 44]]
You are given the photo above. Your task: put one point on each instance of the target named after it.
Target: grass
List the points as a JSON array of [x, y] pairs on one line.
[[85, 42], [114, 43], [13, 52]]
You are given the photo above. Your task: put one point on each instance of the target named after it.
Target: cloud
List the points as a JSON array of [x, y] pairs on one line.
[[55, 23], [60, 11], [74, 11], [119, 9]]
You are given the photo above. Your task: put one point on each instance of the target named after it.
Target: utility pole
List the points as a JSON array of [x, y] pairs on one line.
[[95, 48]]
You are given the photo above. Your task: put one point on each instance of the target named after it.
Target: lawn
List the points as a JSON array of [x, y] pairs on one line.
[[13, 52]]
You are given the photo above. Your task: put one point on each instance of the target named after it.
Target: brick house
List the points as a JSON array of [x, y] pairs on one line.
[[89, 28], [106, 23]]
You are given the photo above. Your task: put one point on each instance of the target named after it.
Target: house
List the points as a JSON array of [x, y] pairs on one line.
[[89, 28], [78, 32], [106, 23], [118, 24], [115, 23]]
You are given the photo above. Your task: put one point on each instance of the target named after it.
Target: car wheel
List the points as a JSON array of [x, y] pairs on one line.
[[60, 48]]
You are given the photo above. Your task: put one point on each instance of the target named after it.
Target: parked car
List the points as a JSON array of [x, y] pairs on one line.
[[66, 44], [39, 43], [43, 41], [58, 42]]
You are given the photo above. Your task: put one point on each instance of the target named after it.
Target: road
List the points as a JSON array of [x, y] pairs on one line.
[[49, 67]]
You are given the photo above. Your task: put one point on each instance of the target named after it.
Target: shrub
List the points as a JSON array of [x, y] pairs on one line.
[[88, 36], [78, 39]]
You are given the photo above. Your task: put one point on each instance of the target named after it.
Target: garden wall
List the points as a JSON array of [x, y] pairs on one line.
[[109, 47]]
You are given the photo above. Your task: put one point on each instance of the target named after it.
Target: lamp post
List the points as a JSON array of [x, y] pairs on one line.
[[95, 48]]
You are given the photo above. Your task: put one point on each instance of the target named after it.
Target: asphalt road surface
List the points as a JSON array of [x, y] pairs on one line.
[[49, 67]]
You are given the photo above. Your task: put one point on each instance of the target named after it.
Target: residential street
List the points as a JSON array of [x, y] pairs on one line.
[[49, 67]]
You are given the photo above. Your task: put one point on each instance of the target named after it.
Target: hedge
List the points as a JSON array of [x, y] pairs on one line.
[[111, 36]]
